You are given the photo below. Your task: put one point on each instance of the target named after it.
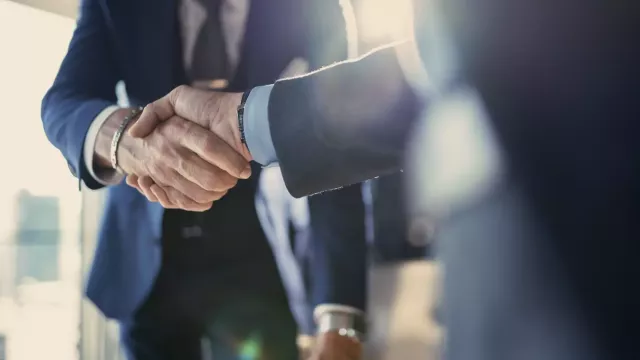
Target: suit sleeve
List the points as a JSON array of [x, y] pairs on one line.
[[343, 124], [83, 88]]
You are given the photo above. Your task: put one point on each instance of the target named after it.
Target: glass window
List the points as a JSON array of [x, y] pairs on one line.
[[39, 199], [3, 353]]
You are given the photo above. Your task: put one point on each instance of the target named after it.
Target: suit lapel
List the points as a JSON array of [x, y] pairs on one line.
[[271, 41]]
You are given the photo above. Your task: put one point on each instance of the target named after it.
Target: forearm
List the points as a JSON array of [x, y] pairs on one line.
[[343, 124]]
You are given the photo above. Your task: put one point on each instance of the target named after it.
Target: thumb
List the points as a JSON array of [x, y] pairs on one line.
[[152, 115], [146, 122]]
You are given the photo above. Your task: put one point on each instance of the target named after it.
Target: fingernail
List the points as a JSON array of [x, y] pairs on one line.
[[246, 173]]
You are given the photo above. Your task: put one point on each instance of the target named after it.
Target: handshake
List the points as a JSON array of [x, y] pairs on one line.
[[184, 151]]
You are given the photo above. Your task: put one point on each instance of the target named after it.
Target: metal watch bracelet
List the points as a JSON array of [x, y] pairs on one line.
[[344, 324], [243, 100], [115, 141]]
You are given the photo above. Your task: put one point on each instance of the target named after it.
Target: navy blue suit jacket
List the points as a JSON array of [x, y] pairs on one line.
[[137, 42]]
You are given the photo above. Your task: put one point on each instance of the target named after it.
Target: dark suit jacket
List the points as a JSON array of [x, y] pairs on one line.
[[138, 42], [342, 125]]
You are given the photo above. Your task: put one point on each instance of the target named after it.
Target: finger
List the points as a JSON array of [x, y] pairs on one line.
[[163, 197], [144, 184], [132, 180], [207, 176], [152, 115], [216, 151], [184, 186], [180, 200]]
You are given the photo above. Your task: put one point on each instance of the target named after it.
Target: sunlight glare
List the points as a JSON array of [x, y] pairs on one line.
[[385, 20]]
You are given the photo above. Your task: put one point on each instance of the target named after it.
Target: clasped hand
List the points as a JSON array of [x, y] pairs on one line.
[[185, 150]]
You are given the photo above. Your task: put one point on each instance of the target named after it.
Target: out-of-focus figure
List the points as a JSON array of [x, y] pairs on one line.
[[536, 188]]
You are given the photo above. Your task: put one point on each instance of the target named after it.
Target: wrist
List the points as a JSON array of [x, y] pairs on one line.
[[102, 151], [234, 101], [344, 324]]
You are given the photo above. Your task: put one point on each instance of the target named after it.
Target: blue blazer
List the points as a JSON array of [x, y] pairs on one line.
[[137, 42]]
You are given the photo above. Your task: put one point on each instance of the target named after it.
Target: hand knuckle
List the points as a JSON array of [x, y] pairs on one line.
[[185, 165], [166, 149]]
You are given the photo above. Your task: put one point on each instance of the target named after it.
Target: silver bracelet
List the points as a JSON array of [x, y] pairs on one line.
[[346, 325], [118, 135]]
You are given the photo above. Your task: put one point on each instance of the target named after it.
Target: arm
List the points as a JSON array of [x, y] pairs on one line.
[[338, 126], [82, 90], [343, 124], [79, 120]]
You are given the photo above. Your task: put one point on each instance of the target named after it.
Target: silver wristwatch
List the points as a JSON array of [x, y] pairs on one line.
[[345, 324]]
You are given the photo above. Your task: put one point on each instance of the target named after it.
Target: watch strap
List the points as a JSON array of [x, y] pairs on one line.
[[243, 101]]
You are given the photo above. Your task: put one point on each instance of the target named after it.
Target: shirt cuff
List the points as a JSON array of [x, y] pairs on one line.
[[105, 177], [256, 126], [337, 308]]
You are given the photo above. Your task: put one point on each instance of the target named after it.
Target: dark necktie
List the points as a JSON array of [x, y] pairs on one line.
[[209, 61]]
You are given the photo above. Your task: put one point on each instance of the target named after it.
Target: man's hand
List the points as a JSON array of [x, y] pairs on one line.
[[333, 346], [186, 161], [215, 111]]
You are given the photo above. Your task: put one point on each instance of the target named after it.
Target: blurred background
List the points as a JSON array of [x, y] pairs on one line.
[[48, 227]]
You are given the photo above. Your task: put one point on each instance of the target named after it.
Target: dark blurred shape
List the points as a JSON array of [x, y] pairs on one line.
[[543, 264], [394, 240]]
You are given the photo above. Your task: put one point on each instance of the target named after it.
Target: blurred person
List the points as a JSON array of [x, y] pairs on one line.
[[172, 277], [540, 234]]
